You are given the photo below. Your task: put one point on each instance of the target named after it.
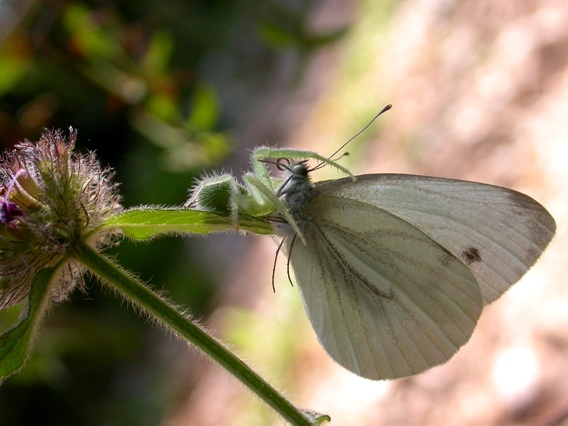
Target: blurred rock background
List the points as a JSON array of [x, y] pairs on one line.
[[166, 91]]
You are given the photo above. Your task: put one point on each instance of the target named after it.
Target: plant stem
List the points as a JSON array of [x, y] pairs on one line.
[[135, 291]]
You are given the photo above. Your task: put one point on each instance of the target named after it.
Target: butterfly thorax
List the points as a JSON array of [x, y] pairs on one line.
[[296, 190]]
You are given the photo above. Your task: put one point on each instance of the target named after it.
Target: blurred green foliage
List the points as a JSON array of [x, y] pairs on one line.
[[130, 77]]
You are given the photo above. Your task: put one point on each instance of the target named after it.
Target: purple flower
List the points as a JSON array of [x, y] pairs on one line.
[[50, 198], [9, 211]]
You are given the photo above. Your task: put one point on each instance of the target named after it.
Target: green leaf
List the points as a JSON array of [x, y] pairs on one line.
[[146, 223], [183, 148], [205, 111], [15, 62], [158, 54], [87, 35], [277, 36], [16, 343]]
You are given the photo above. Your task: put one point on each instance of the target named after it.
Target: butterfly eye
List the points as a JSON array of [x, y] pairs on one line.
[[300, 169]]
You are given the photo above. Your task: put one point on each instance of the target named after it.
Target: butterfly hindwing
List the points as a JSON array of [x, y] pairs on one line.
[[385, 300]]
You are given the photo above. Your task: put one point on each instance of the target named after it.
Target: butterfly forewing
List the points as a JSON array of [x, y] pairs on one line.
[[385, 299], [497, 232]]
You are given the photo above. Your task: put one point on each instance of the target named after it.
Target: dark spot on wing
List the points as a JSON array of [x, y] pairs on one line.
[[471, 255]]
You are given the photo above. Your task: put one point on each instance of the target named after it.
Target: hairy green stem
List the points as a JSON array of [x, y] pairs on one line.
[[136, 292]]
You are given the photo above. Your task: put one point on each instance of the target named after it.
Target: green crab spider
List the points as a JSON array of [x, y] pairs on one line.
[[260, 195]]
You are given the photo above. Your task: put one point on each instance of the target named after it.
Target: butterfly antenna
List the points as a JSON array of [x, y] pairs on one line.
[[385, 109]]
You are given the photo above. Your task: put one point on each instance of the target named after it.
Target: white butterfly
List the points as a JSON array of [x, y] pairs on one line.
[[394, 270], [397, 268]]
